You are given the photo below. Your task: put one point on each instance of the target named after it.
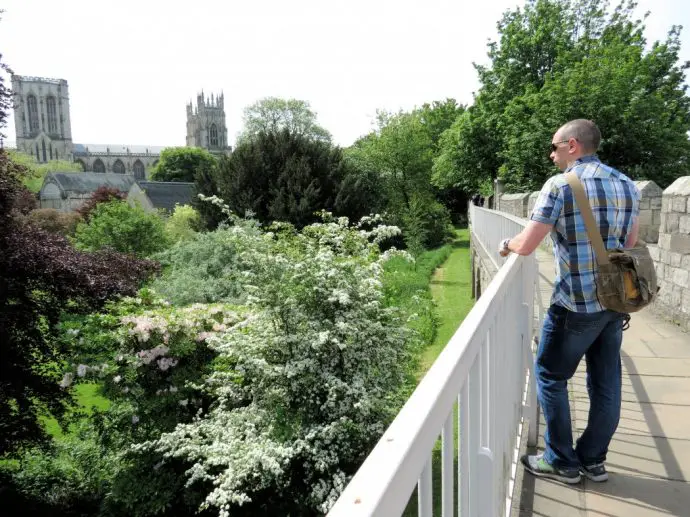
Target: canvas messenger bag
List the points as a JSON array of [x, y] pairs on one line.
[[626, 278]]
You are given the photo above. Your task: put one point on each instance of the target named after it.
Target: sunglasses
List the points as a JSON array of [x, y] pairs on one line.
[[554, 146]]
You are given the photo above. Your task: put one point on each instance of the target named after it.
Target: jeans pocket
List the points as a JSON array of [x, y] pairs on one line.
[[582, 323]]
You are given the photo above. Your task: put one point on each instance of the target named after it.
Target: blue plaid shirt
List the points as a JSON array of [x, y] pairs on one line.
[[615, 201]]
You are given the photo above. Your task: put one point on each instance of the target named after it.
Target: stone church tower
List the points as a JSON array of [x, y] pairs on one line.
[[206, 124], [42, 121]]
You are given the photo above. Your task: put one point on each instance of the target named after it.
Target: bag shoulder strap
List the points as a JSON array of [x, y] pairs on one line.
[[588, 217]]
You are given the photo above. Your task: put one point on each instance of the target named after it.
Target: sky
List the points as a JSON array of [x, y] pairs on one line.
[[133, 65]]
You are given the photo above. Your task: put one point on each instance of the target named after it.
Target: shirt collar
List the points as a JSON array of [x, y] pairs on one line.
[[587, 159]]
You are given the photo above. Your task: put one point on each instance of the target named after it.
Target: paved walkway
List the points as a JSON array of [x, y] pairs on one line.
[[649, 458]]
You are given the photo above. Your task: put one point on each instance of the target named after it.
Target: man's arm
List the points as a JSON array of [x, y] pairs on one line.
[[528, 239], [634, 234]]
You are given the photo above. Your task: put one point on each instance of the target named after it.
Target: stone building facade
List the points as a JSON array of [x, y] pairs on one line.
[[41, 117], [43, 130], [136, 160], [206, 124]]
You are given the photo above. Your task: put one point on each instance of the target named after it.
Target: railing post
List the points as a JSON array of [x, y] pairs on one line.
[[532, 401], [447, 450], [425, 500]]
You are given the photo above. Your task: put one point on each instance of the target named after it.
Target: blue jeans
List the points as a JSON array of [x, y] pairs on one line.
[[567, 336]]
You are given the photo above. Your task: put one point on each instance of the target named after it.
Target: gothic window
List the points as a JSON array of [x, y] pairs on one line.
[[45, 157], [33, 114], [52, 115], [214, 135], [98, 166], [139, 171], [118, 167]]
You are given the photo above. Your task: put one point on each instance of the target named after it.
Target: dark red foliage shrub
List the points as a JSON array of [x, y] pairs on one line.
[[101, 195], [41, 277]]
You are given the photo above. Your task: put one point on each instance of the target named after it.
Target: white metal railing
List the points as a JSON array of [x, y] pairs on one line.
[[492, 227], [483, 373]]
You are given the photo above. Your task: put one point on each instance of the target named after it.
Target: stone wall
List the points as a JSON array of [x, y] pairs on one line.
[[672, 256], [650, 210], [515, 204]]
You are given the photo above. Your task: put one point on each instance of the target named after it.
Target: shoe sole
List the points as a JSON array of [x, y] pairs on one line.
[[551, 475], [597, 479]]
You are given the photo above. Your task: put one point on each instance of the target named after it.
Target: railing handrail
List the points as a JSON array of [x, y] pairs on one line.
[[404, 448], [519, 220]]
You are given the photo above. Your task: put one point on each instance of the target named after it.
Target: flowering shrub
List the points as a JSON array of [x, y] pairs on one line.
[[41, 277], [308, 382], [149, 356]]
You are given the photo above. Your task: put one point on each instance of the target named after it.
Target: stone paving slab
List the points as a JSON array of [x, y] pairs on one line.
[[649, 457]]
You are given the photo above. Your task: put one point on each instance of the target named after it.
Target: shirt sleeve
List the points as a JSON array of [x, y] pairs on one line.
[[549, 204]]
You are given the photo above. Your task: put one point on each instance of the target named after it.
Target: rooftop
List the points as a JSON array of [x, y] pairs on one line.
[[85, 182], [168, 194]]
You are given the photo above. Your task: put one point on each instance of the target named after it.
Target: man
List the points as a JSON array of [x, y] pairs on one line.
[[575, 324]]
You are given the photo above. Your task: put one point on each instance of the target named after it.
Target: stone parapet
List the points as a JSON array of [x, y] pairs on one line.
[[672, 255], [515, 204], [650, 210]]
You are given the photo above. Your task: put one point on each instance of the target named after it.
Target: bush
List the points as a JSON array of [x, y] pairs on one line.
[[426, 224], [183, 224], [305, 385], [54, 221], [70, 478], [123, 228], [102, 194], [208, 268], [41, 277]]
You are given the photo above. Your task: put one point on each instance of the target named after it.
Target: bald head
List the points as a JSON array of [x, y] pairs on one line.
[[584, 131]]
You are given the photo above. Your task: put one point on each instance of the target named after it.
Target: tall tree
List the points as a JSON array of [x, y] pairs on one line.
[[558, 60], [287, 176], [272, 114], [401, 153]]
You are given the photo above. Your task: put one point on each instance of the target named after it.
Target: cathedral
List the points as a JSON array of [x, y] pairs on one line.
[[43, 129]]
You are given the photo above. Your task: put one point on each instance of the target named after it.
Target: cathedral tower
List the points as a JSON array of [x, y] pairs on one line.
[[41, 117], [206, 124]]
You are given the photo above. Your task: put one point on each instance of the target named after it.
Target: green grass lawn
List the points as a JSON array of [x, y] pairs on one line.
[[87, 398], [451, 289]]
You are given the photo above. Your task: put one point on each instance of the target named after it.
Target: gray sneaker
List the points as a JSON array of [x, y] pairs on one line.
[[538, 466], [596, 472]]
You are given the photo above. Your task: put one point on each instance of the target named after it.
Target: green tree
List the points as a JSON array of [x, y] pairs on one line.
[[123, 228], [557, 60], [192, 164], [401, 153], [439, 116], [182, 164], [38, 171], [285, 176], [272, 114]]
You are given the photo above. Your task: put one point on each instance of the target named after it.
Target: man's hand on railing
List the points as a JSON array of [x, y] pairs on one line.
[[503, 249]]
